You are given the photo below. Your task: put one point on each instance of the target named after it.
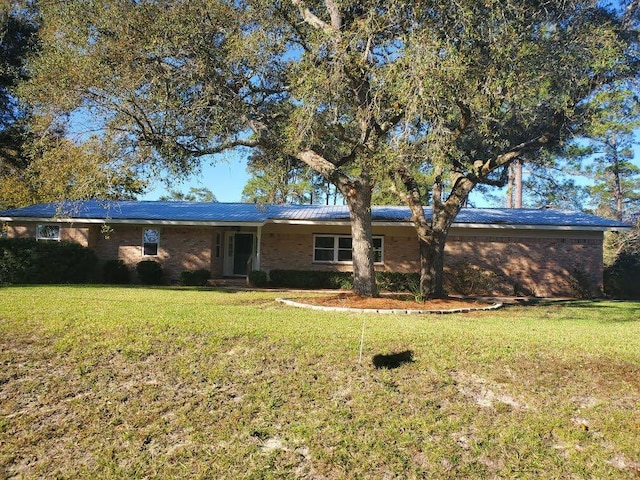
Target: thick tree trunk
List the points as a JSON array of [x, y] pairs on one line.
[[619, 196], [357, 193], [364, 277], [432, 265], [510, 182], [432, 233], [517, 166]]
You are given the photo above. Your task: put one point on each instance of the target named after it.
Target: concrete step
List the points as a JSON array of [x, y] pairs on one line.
[[228, 282]]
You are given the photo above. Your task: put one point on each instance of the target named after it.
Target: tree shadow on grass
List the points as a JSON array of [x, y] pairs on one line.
[[393, 360]]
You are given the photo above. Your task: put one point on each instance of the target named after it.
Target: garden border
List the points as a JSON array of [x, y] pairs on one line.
[[397, 311]]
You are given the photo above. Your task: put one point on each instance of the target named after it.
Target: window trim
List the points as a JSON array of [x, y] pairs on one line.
[[156, 243], [337, 249], [44, 238]]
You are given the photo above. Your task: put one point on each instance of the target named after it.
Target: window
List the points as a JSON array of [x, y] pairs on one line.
[[48, 232], [377, 250], [150, 242], [218, 244], [339, 248]]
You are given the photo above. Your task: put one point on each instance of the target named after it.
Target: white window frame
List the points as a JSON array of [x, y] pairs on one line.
[[40, 227], [145, 241], [218, 251], [336, 248]]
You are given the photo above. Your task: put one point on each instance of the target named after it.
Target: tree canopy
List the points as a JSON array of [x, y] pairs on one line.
[[18, 39], [38, 162], [195, 194]]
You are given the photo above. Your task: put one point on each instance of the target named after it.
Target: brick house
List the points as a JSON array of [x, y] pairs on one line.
[[540, 250]]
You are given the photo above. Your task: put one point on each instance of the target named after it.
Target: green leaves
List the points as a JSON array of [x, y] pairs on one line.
[[178, 80]]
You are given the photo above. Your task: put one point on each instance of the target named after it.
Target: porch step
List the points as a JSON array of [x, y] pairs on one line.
[[227, 282]]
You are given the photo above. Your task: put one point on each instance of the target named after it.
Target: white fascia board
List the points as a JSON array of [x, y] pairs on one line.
[[311, 222], [338, 223], [180, 223], [112, 221], [37, 219], [503, 226], [580, 228], [497, 226]]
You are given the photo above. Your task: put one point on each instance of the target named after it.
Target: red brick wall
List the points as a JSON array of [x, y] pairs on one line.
[[21, 231], [83, 234], [282, 249], [539, 261], [180, 248], [543, 263]]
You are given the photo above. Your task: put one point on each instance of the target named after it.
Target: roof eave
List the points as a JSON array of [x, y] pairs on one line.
[[136, 221], [387, 223], [511, 226], [497, 226]]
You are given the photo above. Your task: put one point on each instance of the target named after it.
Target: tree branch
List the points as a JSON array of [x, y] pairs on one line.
[[414, 200], [334, 13], [323, 166], [311, 19], [221, 147]]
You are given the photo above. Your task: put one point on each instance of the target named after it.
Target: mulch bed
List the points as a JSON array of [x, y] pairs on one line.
[[401, 302]]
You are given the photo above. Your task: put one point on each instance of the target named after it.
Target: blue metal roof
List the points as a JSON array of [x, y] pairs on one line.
[[145, 211], [248, 213]]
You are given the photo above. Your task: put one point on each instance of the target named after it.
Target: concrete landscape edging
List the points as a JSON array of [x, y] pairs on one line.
[[397, 311]]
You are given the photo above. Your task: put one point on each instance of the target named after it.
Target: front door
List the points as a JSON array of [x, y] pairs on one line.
[[238, 252]]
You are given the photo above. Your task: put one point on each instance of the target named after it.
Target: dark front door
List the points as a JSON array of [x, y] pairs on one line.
[[242, 252]]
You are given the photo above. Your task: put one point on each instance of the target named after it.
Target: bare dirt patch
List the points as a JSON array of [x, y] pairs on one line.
[[390, 302]]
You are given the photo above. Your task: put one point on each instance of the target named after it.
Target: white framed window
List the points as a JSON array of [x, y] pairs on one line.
[[339, 249], [378, 249], [48, 232], [150, 242], [218, 244]]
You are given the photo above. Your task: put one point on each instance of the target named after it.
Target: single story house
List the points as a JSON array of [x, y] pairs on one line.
[[541, 250]]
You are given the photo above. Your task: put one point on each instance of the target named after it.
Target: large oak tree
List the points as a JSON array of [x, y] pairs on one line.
[[360, 91]]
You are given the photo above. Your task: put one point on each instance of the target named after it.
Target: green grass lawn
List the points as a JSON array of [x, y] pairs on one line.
[[106, 382]]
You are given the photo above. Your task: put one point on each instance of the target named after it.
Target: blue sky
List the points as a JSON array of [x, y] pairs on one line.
[[225, 177]]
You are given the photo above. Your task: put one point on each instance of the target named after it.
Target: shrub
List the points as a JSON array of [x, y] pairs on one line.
[[398, 282], [257, 278], [393, 281], [115, 272], [149, 272], [621, 278], [310, 279], [582, 285], [25, 260], [467, 279], [197, 278], [342, 280]]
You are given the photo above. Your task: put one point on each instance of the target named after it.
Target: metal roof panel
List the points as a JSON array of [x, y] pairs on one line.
[[243, 213]]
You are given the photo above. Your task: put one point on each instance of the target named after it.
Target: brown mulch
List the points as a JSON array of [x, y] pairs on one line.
[[402, 302]]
